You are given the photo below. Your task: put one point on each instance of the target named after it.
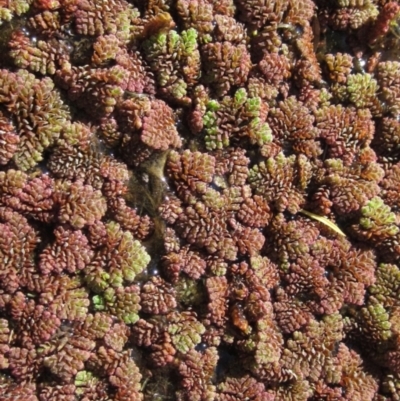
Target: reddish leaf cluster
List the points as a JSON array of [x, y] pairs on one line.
[[199, 200]]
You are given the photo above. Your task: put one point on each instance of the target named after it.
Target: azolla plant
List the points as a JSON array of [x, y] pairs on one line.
[[199, 200]]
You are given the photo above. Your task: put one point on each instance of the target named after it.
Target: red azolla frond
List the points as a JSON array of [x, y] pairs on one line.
[[43, 326], [31, 197], [79, 204], [158, 129], [290, 313], [226, 65], [147, 332], [24, 391], [381, 24], [9, 140], [126, 377], [339, 66], [97, 18], [306, 275], [63, 295], [157, 296], [310, 351], [282, 181], [4, 343], [347, 189], [69, 358], [387, 139], [217, 289], [44, 57], [163, 352], [69, 252], [198, 14], [170, 209], [64, 392], [231, 166], [97, 234], [140, 78], [345, 130], [21, 92], [46, 22], [96, 90], [149, 127], [190, 171], [248, 240], [275, 68], [292, 239], [207, 229], [228, 29], [254, 212], [196, 371], [257, 12], [24, 364], [388, 78], [190, 262], [386, 287], [356, 384], [17, 243], [391, 186], [129, 218], [106, 49], [246, 387]]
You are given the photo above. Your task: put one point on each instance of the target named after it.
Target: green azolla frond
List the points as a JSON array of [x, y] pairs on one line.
[[179, 88], [214, 139], [174, 41], [163, 78], [116, 278], [361, 88], [5, 14], [124, 303], [189, 41], [253, 106], [83, 378], [130, 317], [137, 261], [213, 105], [20, 6], [260, 132], [376, 212], [113, 230], [156, 45], [209, 119], [159, 40], [98, 280], [109, 295], [375, 319], [239, 98], [99, 303], [186, 334], [386, 289], [131, 255], [214, 199]]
